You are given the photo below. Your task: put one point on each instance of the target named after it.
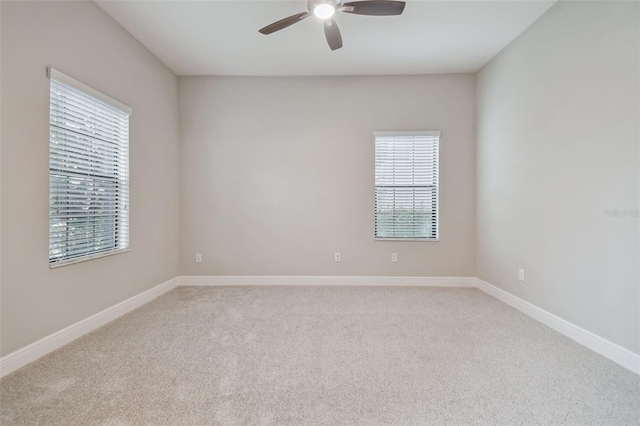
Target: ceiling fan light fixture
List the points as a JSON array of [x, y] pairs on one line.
[[324, 10]]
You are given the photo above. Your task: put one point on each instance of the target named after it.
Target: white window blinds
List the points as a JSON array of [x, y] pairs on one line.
[[406, 185], [88, 172]]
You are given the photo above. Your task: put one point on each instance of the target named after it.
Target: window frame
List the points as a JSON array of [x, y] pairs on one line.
[[428, 133], [123, 209]]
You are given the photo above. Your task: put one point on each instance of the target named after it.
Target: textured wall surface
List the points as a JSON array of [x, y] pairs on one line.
[[558, 138], [79, 39], [277, 174]]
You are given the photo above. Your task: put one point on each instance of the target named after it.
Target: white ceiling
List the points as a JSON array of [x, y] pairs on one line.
[[221, 37]]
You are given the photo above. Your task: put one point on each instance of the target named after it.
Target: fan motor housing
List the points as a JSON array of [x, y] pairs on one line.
[[311, 4]]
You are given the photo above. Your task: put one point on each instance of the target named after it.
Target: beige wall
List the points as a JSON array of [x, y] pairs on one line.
[[558, 135], [79, 39], [277, 174]]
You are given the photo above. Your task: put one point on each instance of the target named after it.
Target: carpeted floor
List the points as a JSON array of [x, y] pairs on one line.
[[322, 356]]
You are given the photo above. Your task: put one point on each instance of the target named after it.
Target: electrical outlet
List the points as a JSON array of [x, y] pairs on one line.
[[521, 274], [337, 257], [198, 257], [394, 257]]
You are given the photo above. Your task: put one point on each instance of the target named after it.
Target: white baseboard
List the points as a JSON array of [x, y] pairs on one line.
[[328, 280], [604, 347], [32, 352]]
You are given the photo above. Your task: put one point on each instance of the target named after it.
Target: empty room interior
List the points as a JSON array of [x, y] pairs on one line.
[[320, 212]]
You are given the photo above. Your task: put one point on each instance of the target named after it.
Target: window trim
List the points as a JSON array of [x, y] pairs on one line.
[[53, 74], [431, 133], [87, 257]]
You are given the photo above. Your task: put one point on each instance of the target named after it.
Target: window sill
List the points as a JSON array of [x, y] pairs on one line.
[[86, 258], [424, 240]]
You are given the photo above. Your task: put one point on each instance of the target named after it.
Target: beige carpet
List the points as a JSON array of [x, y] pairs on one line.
[[322, 356]]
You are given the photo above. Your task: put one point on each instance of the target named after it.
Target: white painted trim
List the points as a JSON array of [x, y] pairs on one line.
[[32, 352], [54, 74], [604, 347], [430, 133], [328, 280], [87, 257]]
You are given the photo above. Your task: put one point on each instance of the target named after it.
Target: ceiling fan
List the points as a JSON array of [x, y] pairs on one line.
[[325, 9]]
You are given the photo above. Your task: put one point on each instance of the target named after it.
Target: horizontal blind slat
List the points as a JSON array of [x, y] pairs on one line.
[[406, 186], [61, 101], [89, 175], [61, 88]]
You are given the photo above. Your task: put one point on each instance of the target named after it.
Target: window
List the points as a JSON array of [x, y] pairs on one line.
[[406, 186], [88, 172]]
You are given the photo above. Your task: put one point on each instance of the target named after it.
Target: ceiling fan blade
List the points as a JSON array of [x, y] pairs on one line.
[[284, 23], [373, 7], [332, 33]]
